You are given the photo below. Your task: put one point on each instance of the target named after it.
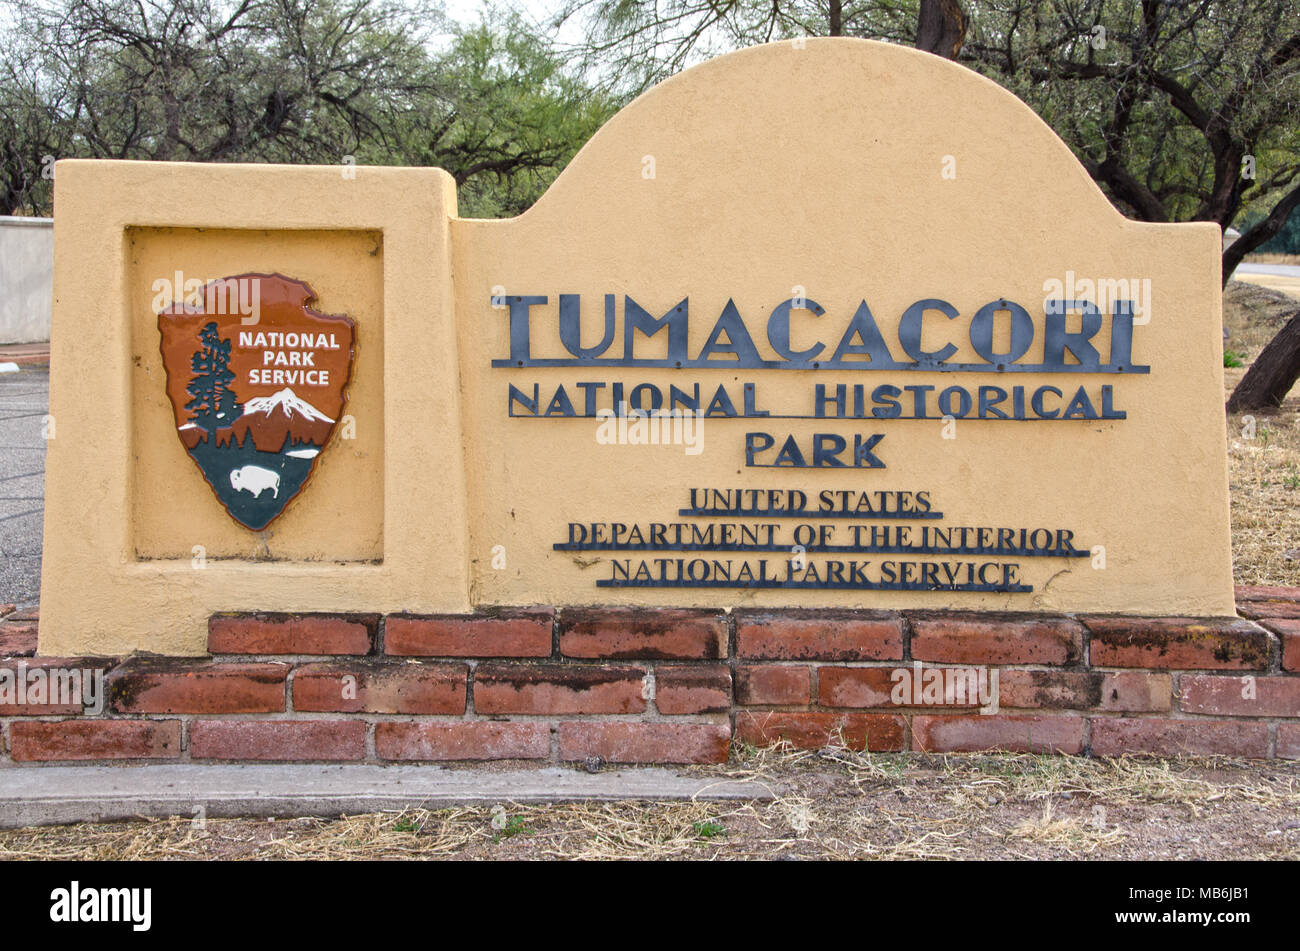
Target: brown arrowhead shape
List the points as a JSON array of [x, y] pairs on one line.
[[257, 380]]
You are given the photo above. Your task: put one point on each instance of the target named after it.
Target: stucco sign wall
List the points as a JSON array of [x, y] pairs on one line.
[[793, 329]]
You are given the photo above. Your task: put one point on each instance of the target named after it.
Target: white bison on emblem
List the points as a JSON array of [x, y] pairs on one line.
[[255, 480]]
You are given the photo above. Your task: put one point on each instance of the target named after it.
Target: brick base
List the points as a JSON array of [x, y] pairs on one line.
[[674, 686]]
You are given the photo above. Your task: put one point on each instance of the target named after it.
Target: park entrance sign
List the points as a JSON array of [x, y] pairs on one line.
[[834, 325]]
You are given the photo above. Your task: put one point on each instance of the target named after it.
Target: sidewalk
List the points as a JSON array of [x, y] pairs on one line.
[[63, 794]]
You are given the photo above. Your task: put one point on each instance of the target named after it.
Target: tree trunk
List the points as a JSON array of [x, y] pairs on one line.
[[1273, 373], [941, 28], [837, 18]]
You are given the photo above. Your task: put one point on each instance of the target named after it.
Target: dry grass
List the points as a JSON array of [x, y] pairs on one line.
[[1074, 836], [1252, 315], [1124, 780], [1263, 450], [1264, 483]]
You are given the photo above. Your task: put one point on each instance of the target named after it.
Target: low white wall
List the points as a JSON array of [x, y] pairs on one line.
[[26, 278]]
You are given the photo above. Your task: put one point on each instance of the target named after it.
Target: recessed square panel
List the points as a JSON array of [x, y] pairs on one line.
[[329, 468]]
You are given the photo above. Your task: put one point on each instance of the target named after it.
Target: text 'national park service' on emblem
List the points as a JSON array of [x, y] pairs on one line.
[[256, 390]]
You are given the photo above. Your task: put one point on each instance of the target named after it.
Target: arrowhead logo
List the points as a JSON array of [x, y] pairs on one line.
[[257, 383]]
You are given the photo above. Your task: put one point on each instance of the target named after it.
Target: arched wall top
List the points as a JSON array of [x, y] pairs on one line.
[[845, 118]]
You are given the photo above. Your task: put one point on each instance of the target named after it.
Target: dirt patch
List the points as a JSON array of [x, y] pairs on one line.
[[1264, 485]]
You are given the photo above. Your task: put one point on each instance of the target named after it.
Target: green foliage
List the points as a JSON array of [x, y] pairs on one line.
[[1232, 358], [507, 120], [515, 825], [297, 81], [709, 829]]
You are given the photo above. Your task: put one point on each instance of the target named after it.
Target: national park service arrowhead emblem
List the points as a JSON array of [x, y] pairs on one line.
[[257, 382]]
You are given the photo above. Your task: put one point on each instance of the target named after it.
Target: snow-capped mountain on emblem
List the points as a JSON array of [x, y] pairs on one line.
[[287, 402], [271, 420], [256, 396]]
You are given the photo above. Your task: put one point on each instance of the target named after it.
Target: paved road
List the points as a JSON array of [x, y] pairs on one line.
[[24, 401], [1280, 270]]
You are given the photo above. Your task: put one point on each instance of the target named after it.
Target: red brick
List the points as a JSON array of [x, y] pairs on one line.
[[1125, 691], [512, 634], [774, 685], [819, 635], [1267, 593], [1288, 741], [685, 690], [855, 686], [292, 633], [380, 688], [44, 741], [626, 633], [1014, 734], [22, 670], [877, 687], [1220, 695], [558, 688], [1289, 631], [17, 638], [645, 742], [479, 740], [1258, 610], [182, 685], [876, 732], [1178, 643], [1112, 736], [992, 638], [281, 740]]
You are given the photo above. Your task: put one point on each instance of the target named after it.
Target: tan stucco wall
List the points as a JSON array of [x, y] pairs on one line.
[[375, 529], [774, 169]]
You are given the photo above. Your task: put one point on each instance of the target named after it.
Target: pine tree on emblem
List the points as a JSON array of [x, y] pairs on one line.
[[213, 401]]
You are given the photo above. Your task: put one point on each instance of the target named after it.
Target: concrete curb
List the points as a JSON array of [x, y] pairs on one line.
[[57, 795]]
